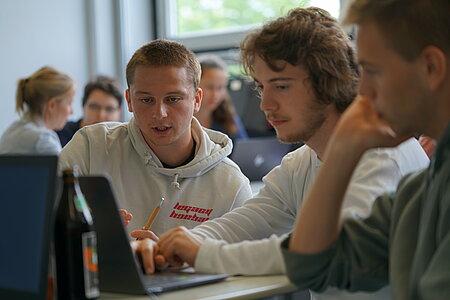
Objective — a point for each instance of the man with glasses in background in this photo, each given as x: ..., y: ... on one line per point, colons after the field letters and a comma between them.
x: 102, y: 101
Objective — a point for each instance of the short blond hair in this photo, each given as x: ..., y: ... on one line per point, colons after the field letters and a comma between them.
x: 408, y: 25
x: 165, y: 53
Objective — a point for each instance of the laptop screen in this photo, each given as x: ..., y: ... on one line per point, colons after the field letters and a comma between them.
x: 258, y: 156
x: 27, y: 191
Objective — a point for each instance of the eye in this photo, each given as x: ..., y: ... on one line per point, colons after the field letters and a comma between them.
x: 369, y: 71
x: 145, y: 100
x: 174, y: 99
x: 94, y: 106
x: 110, y: 109
x: 259, y: 88
x: 282, y: 87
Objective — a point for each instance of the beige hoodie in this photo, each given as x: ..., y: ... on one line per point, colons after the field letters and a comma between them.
x: 205, y: 188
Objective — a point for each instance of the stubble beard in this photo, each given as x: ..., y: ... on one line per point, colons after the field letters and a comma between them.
x: 305, y: 132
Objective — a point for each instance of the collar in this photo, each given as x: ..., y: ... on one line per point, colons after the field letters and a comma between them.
x: 442, y: 151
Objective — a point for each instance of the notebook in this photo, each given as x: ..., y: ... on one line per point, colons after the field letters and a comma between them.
x: 119, y: 270
x: 28, y: 192
x: 257, y: 156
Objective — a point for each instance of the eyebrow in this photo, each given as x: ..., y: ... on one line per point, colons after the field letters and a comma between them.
x: 276, y: 79
x: 168, y: 93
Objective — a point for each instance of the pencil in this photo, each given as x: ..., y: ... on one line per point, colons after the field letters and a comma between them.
x: 153, y: 216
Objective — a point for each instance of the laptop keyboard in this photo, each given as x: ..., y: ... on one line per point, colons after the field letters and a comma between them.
x: 173, y: 280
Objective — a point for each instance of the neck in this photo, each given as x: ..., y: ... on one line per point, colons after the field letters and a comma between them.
x: 176, y: 153
x: 46, y: 118
x: 439, y: 117
x: 319, y: 141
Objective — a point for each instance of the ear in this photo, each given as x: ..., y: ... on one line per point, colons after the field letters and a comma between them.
x: 198, y: 100
x: 51, y: 104
x: 436, y: 67
x: 127, y: 96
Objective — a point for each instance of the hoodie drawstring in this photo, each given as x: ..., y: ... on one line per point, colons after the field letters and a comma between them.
x: 148, y: 158
x: 175, y: 183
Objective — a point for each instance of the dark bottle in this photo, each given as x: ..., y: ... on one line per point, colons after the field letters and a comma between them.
x: 75, y: 244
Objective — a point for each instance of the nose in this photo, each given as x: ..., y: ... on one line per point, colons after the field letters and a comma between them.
x: 160, y: 110
x: 102, y: 115
x: 211, y: 93
x: 268, y: 103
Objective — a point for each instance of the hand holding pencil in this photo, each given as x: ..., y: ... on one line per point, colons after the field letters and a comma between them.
x: 152, y: 218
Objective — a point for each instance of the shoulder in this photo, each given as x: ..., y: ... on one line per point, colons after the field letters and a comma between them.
x: 66, y: 134
x: 23, y: 129
x: 302, y: 155
x: 48, y: 142
x: 231, y: 167
x: 70, y: 126
x: 105, y: 129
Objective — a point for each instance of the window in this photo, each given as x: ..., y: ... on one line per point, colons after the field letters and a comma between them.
x: 220, y: 24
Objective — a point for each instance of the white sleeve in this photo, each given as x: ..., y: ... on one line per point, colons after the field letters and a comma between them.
x: 247, y: 257
x: 267, y: 213
x: 76, y: 152
x: 376, y: 174
x: 271, y: 212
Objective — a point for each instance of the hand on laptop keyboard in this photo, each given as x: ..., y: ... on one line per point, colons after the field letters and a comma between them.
x: 179, y: 245
x: 146, y: 250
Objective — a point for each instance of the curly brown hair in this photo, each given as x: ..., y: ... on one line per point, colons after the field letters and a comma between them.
x: 312, y: 38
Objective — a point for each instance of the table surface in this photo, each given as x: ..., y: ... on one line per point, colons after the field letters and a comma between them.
x: 236, y: 287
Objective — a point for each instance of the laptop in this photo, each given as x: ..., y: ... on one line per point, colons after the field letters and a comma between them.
x: 257, y: 156
x: 119, y: 269
x: 28, y: 193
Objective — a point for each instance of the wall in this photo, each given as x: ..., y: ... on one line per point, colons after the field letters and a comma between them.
x: 38, y: 33
x: 81, y: 38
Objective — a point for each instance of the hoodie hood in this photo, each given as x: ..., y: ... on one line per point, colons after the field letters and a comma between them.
x: 211, y: 148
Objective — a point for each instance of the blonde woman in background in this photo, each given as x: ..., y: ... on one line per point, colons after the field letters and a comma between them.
x: 217, y: 110
x: 44, y: 101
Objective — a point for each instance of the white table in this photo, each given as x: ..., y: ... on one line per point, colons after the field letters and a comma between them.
x: 237, y: 287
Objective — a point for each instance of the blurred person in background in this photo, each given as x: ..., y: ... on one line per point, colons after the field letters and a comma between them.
x: 217, y: 111
x: 44, y: 102
x: 102, y: 101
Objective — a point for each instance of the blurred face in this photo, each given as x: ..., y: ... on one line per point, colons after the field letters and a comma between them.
x: 394, y: 85
x: 100, y: 107
x: 59, y: 110
x: 163, y: 102
x: 214, y: 85
x: 288, y: 101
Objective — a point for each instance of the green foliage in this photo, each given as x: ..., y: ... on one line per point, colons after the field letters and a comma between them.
x: 196, y: 16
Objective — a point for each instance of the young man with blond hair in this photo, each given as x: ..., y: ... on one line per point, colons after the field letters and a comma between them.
x: 162, y: 151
